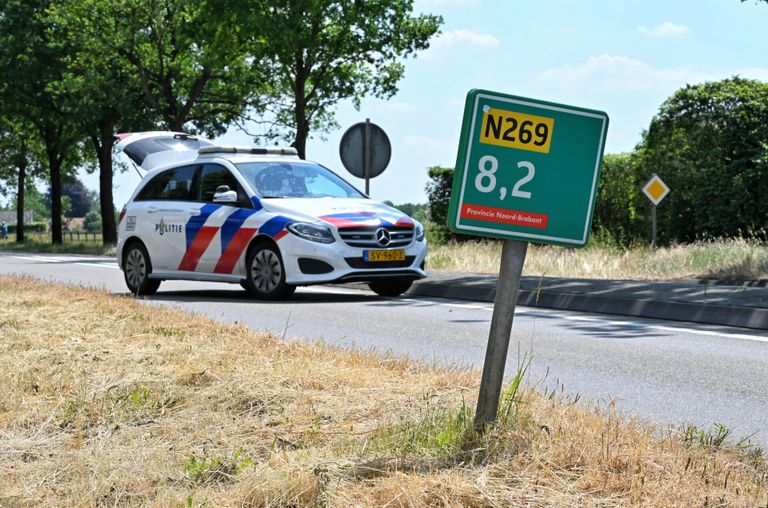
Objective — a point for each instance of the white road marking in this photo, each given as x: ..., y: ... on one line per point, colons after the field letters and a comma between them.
x: 605, y: 321
x: 100, y: 265
x: 476, y: 306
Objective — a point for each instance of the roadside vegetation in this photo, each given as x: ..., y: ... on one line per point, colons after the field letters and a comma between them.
x: 107, y: 401
x: 733, y: 260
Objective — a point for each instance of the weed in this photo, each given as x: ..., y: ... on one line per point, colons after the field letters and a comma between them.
x: 440, y: 261
x: 139, y: 405
x: 190, y: 502
x: 692, y: 435
x: 511, y: 401
x: 199, y: 470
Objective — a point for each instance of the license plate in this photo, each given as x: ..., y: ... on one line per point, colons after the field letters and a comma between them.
x: 384, y: 255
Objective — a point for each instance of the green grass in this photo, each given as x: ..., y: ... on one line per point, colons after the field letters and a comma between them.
x: 42, y: 243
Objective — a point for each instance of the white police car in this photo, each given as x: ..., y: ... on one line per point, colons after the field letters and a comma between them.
x: 260, y: 217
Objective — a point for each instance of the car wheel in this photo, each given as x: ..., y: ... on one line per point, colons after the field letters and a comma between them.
x: 136, y: 270
x: 266, y: 274
x: 390, y: 287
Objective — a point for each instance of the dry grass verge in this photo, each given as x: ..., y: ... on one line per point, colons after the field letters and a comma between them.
x: 106, y: 401
x: 737, y: 260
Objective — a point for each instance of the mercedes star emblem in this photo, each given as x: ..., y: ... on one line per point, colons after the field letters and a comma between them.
x: 382, y: 236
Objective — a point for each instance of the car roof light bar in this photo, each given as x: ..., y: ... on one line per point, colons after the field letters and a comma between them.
x: 270, y: 150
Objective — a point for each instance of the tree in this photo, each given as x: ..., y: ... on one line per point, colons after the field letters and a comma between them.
x: 92, y: 222
x: 19, y: 153
x: 709, y: 143
x: 108, y: 98
x: 33, y: 62
x: 79, y: 197
x: 621, y: 205
x: 320, y: 52
x: 438, y: 195
x: 192, y: 72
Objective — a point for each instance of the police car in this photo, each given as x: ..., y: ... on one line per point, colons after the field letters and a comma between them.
x: 260, y: 217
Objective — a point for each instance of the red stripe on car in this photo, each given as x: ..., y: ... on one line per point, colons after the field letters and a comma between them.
x: 197, y: 248
x: 234, y: 250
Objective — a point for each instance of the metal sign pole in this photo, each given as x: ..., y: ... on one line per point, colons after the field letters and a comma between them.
x: 512, y: 259
x: 653, y: 236
x: 367, y: 156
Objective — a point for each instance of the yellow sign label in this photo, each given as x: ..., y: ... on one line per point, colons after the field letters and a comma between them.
x: 656, y: 189
x: 511, y: 129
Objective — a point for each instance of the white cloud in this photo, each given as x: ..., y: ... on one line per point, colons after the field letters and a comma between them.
x: 758, y: 73
x: 465, y: 37
x: 621, y: 73
x: 667, y: 29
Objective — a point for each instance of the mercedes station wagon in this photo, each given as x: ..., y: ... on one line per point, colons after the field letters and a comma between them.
x: 259, y: 217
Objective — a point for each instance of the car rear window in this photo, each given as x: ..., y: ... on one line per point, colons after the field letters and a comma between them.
x: 139, y: 150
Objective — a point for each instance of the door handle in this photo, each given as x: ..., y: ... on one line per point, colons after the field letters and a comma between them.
x: 152, y: 209
x: 194, y: 211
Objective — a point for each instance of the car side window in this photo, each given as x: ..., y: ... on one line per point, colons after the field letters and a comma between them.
x: 215, y: 175
x: 172, y: 185
x: 178, y: 186
x: 151, y: 191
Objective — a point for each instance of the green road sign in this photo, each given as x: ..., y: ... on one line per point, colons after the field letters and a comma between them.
x: 527, y: 169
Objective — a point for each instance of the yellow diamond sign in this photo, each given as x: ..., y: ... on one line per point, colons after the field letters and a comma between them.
x: 656, y: 189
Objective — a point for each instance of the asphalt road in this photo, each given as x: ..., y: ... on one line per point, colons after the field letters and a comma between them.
x: 662, y: 372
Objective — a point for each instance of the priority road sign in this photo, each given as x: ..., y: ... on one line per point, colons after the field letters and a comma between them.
x: 656, y: 189
x: 527, y: 169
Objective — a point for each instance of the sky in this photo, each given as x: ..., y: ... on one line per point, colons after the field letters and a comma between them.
x: 624, y: 57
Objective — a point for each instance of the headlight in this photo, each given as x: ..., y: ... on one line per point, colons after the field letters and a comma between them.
x: 311, y: 232
x: 419, y: 232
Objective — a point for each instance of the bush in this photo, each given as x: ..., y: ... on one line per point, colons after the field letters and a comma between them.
x: 32, y: 227
x: 622, y: 212
x: 92, y: 223
x: 439, y: 195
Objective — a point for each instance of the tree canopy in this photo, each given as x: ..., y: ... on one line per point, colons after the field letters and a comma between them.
x: 317, y: 53
x: 709, y: 143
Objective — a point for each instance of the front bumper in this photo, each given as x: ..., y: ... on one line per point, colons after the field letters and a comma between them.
x: 339, y: 262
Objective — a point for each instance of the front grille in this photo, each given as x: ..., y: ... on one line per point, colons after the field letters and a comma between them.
x: 365, y: 236
x: 359, y: 263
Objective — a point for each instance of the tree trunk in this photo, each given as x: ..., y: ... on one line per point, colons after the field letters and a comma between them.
x: 103, y: 146
x: 54, y: 166
x: 20, y: 203
x: 302, y: 133
x: 300, y: 112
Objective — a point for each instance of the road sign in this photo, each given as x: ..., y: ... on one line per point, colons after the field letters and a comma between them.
x: 527, y: 169
x: 365, y: 151
x: 656, y: 189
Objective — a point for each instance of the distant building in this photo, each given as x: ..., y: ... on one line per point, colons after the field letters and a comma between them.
x: 9, y: 217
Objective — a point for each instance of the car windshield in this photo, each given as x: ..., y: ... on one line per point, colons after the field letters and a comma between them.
x: 284, y: 179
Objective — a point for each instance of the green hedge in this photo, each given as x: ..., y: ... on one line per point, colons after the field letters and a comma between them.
x: 32, y: 227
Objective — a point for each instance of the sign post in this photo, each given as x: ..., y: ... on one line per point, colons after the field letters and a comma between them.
x: 656, y: 190
x: 527, y: 170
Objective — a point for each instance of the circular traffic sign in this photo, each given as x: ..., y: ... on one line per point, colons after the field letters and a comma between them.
x: 352, y: 149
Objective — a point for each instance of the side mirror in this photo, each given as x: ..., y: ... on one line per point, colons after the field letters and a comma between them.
x: 224, y: 195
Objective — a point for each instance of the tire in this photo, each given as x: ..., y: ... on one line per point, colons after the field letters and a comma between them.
x: 136, y: 270
x: 266, y: 274
x: 390, y: 287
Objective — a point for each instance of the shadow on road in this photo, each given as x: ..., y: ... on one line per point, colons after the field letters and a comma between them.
x: 240, y: 296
